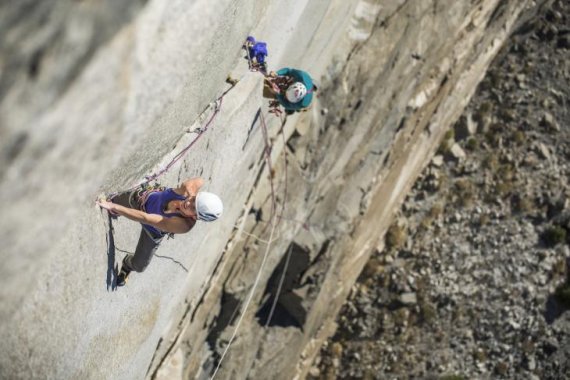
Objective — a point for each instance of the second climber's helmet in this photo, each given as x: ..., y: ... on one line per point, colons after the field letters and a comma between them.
x: 296, y: 92
x: 209, y: 207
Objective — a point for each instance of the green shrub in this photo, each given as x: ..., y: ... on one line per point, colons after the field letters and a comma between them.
x: 484, y: 219
x: 519, y: 137
x: 395, y: 236
x: 471, y: 144
x: 436, y: 210
x: 502, y: 368
x: 443, y: 181
x: 485, y: 109
x: 523, y: 204
x: 506, y: 172
x: 427, y: 312
x: 560, y: 267
x: 505, y: 178
x: 562, y: 294
x: 425, y: 223
x: 491, y: 162
x: 372, y: 267
x: 450, y: 134
x: 554, y: 235
x: 465, y: 191
x: 494, y: 133
x: 445, y: 147
x: 504, y: 188
x: 480, y: 355
x: 447, y: 142
x: 508, y: 114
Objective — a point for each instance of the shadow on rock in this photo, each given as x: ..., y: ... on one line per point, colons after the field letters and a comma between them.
x: 112, y: 269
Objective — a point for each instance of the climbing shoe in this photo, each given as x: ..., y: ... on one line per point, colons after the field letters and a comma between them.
x: 123, y: 275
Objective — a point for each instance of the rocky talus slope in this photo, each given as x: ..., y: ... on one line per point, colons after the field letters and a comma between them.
x: 474, y: 280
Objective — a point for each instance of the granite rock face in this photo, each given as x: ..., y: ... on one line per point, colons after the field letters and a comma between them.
x: 97, y: 95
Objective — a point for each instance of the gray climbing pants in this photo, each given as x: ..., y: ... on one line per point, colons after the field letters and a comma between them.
x: 148, y: 240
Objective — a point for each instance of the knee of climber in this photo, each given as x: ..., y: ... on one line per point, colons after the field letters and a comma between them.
x: 146, y: 247
x: 134, y: 263
x: 139, y: 266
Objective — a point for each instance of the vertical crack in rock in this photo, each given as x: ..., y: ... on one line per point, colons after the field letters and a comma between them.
x: 289, y: 310
x: 230, y: 307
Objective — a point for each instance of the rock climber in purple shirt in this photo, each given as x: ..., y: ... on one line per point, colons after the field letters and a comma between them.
x: 161, y: 211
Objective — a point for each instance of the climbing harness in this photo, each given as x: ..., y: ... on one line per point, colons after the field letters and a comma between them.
x: 279, y: 84
x: 145, y: 190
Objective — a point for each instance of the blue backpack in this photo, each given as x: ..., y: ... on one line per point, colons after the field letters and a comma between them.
x: 257, y: 50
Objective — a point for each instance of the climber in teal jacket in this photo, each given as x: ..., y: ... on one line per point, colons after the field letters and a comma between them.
x: 293, y: 88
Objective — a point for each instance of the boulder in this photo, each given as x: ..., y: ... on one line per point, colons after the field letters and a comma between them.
x: 457, y: 153
x: 408, y: 299
x: 437, y: 161
x: 549, y: 121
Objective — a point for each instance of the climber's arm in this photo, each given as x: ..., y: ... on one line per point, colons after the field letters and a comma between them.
x: 175, y: 225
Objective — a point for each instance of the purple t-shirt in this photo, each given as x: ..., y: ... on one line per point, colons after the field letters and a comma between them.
x: 156, y: 203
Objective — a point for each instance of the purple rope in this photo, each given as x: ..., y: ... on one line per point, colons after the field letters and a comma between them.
x: 181, y: 154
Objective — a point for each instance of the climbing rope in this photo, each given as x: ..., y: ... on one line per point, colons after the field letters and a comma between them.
x: 273, y: 218
x: 249, y: 298
x: 200, y: 130
x: 280, y: 217
x: 265, y: 255
x: 285, y: 164
x: 257, y: 238
x: 267, y: 154
x: 268, y: 160
x: 276, y: 297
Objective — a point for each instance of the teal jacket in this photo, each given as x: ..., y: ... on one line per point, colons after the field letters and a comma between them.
x: 300, y: 76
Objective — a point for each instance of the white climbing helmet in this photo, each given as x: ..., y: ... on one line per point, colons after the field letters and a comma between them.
x: 296, y: 92
x: 209, y: 207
